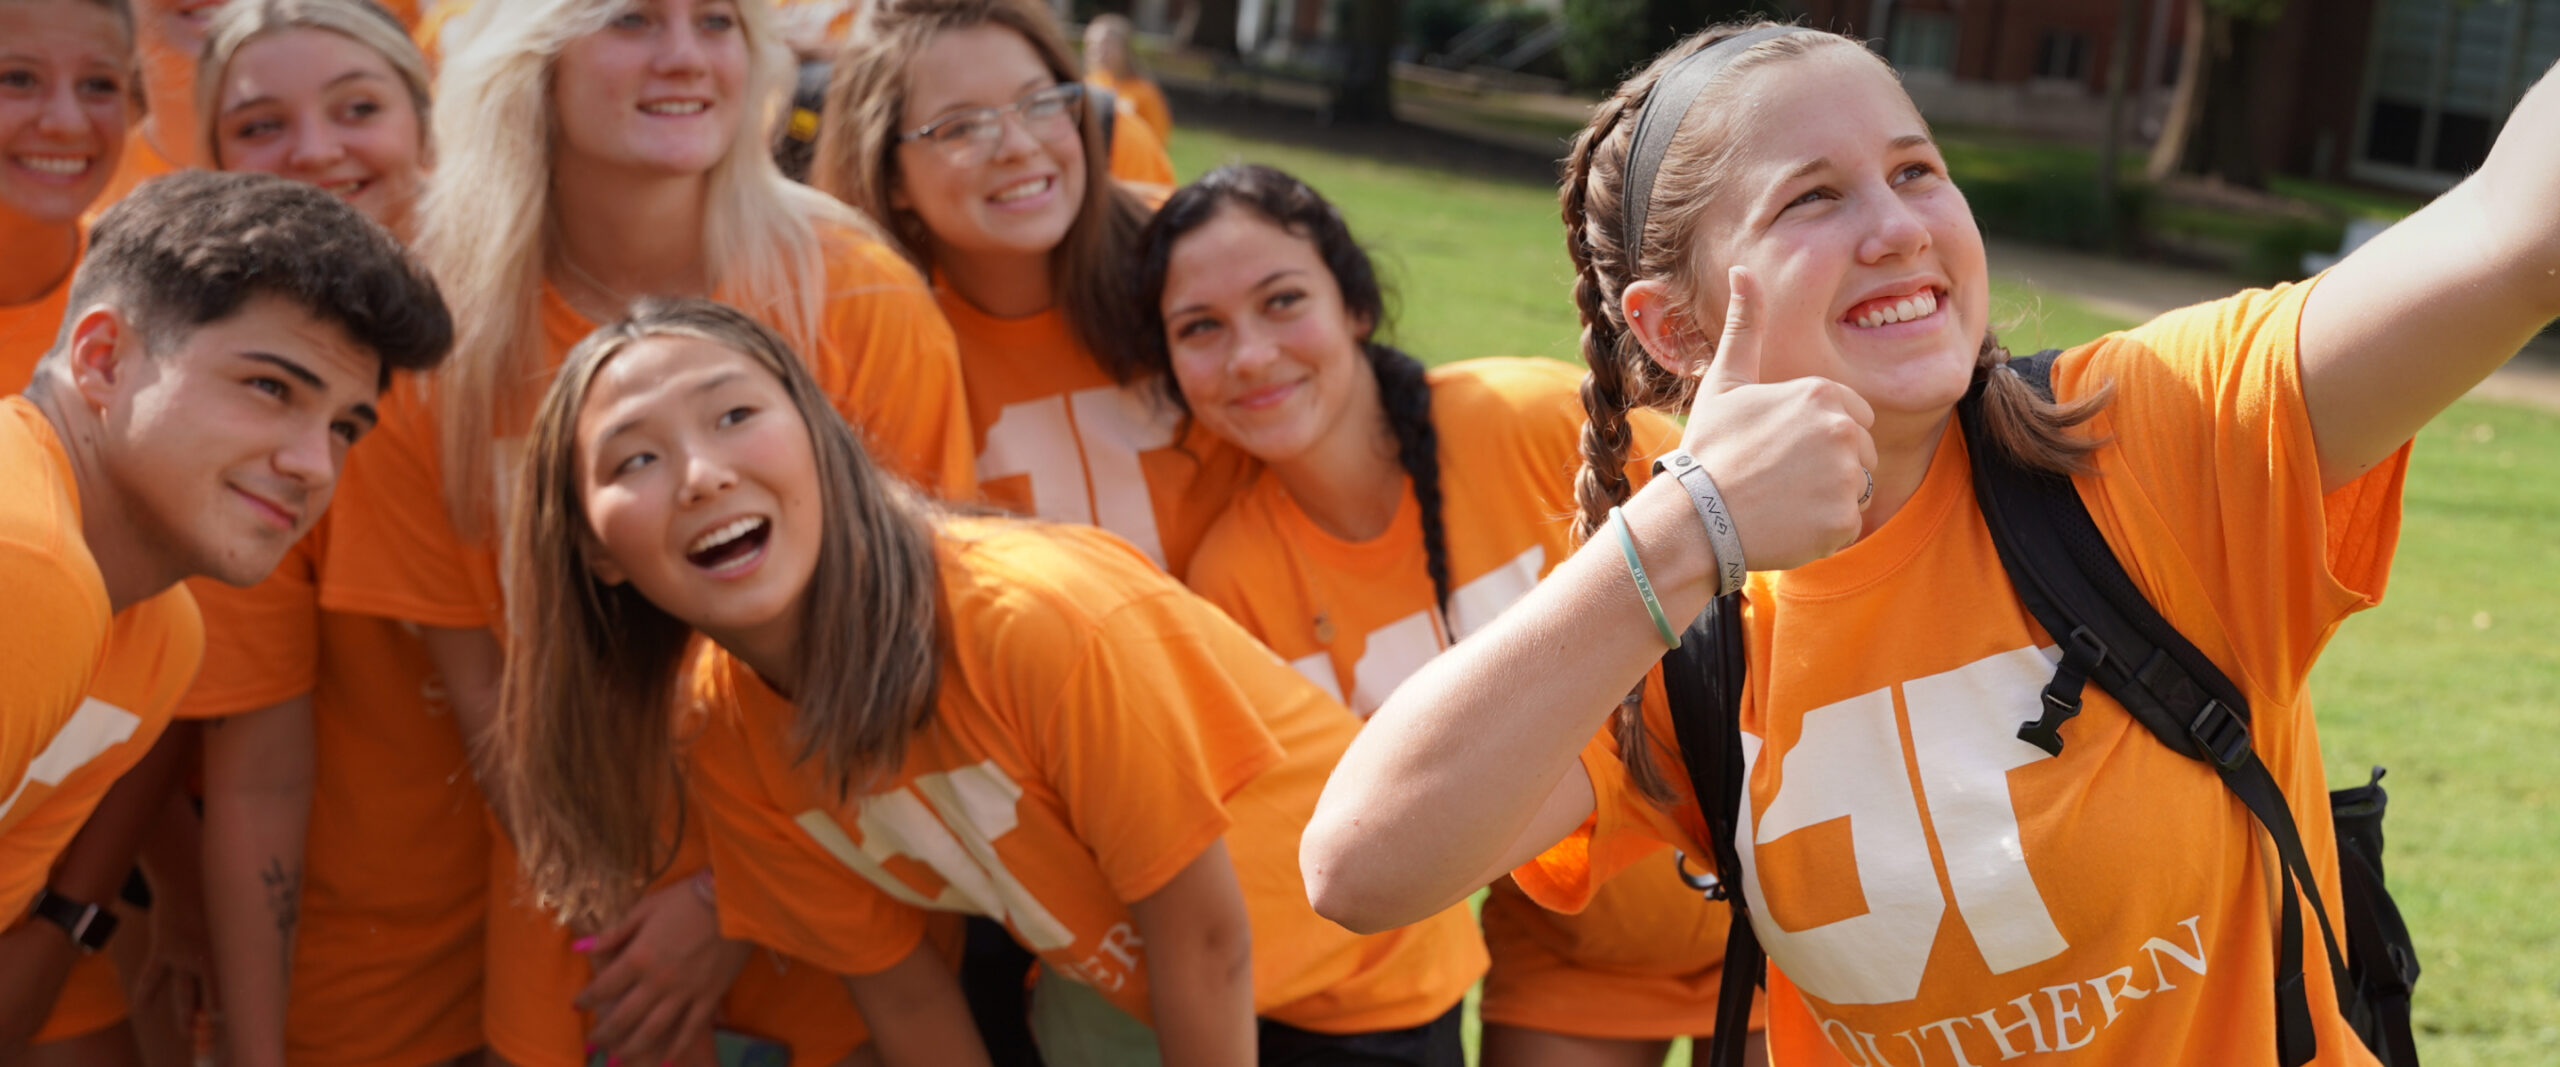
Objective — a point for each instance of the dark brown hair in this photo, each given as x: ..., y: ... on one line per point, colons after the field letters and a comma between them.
x: 857, y: 160
x: 190, y: 248
x: 2035, y: 431
x: 585, y: 718
x: 1280, y: 199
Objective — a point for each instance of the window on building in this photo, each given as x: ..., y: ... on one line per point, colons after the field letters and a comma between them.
x: 2062, y: 55
x: 1922, y: 41
x: 2442, y: 78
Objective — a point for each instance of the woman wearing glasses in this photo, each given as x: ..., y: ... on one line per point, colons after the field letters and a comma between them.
x: 591, y: 152
x: 963, y: 127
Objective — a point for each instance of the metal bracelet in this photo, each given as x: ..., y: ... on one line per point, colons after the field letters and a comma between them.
x: 1722, y: 535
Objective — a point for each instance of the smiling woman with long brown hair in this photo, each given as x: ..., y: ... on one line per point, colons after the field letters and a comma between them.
x: 962, y: 126
x: 898, y: 711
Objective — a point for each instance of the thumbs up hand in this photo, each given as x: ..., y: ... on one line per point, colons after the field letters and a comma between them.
x: 1791, y: 458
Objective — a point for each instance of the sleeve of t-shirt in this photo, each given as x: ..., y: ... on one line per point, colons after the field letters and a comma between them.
x: 50, y: 637
x: 777, y: 885
x: 1624, y: 827
x: 2212, y: 479
x: 894, y: 370
x: 393, y: 550
x: 1147, y: 735
x: 262, y: 643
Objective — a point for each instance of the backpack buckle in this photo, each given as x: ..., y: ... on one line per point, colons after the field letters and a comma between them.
x: 2082, y: 653
x: 2222, y: 735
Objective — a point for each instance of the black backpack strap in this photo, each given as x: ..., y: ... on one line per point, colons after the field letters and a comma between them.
x: 1703, y: 680
x: 2070, y: 580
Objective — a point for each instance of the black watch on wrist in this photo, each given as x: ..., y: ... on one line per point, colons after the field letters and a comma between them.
x: 90, y: 925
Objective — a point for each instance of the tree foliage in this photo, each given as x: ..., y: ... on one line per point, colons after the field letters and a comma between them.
x: 1605, y: 40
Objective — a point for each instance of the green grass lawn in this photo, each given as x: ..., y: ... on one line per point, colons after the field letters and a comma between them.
x: 2454, y: 682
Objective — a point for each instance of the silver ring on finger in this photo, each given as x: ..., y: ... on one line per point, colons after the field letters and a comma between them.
x: 1869, y: 492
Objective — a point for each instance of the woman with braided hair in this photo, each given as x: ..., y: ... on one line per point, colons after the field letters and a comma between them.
x: 1930, y: 886
x: 1399, y: 510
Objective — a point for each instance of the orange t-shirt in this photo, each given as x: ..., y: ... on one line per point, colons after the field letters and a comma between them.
x: 387, y: 959
x: 885, y: 359
x: 1096, y: 727
x: 140, y: 163
x: 27, y: 330
x: 1138, y: 154
x: 1356, y: 617
x: 429, y: 31
x: 1056, y: 438
x: 1142, y: 96
x: 1510, y: 445
x: 82, y: 694
x: 1940, y: 892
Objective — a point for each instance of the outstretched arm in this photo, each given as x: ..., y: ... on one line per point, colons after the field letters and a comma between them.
x: 2420, y: 314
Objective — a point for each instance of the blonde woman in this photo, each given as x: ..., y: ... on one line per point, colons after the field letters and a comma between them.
x: 73, y: 93
x: 329, y: 92
x: 345, y: 850
x: 592, y: 151
x: 1111, y: 61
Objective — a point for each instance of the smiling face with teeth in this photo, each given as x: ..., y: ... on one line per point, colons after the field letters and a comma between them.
x: 1005, y: 215
x: 700, y: 487
x: 65, y: 68
x: 318, y: 107
x: 659, y: 92
x: 1872, y: 271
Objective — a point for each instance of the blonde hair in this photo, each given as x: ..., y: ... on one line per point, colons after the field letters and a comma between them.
x: 1118, y: 30
x: 857, y: 161
x: 2034, y: 430
x: 486, y: 220
x: 587, y: 763
x: 243, y: 21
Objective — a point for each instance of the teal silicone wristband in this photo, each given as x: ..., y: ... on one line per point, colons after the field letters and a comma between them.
x: 1644, y: 585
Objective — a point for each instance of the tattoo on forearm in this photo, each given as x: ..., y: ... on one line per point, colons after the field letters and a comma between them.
x: 284, y: 901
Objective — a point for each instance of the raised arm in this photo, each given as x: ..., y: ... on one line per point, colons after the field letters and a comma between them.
x: 2420, y: 314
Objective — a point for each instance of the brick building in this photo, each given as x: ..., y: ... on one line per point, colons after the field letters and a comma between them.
x: 2402, y: 93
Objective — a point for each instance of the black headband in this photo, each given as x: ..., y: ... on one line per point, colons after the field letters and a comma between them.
x: 1669, y: 103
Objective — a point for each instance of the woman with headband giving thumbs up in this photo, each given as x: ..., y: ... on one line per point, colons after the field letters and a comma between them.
x: 1929, y: 886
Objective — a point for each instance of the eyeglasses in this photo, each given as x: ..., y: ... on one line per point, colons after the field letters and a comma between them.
x: 969, y: 137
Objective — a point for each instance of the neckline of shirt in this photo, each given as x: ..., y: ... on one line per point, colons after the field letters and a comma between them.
x: 1883, y: 553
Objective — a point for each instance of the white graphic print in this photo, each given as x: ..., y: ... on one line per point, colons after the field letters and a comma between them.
x: 1476, y: 603
x: 1391, y: 653
x: 1394, y: 651
x: 949, y: 822
x: 1057, y: 440
x: 93, y: 729
x: 1849, y: 764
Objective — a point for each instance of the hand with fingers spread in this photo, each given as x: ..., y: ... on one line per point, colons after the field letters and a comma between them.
x: 660, y: 975
x: 1793, y: 459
